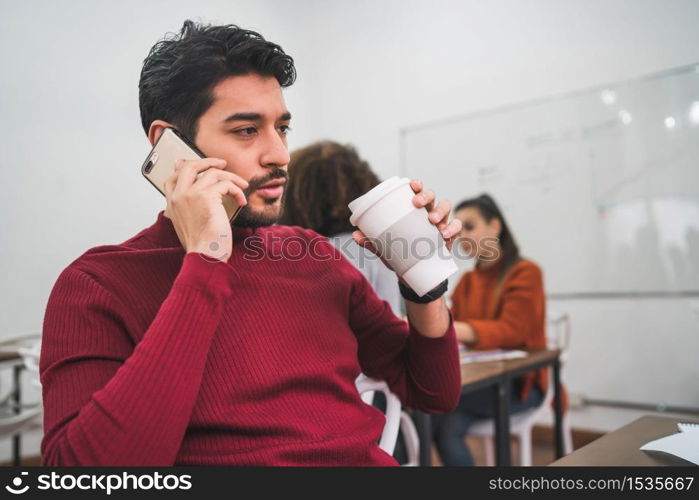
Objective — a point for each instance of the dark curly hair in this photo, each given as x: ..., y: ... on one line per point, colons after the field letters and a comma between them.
x: 323, y: 178
x: 182, y: 69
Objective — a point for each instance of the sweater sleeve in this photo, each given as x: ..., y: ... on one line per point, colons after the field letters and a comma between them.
x: 108, y: 402
x: 521, y: 300
x: 423, y: 372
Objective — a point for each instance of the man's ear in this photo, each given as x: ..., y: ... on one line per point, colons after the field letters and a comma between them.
x: 156, y: 129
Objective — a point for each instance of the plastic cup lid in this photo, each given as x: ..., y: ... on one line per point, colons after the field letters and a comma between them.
x: 364, y: 202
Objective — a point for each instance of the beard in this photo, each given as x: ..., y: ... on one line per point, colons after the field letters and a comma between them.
x: 247, y: 217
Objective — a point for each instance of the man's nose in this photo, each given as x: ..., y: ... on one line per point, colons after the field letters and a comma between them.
x: 276, y: 153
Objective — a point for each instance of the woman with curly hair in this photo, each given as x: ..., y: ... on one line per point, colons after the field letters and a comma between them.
x: 323, y: 178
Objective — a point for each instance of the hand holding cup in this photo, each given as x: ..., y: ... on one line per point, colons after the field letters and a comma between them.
x: 400, y: 222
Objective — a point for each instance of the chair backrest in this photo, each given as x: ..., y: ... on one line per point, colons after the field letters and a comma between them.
x: 28, y: 347
x: 30, y: 355
x: 16, y: 419
x: 366, y: 387
x: 557, y: 337
x: 11, y: 424
x: 558, y: 333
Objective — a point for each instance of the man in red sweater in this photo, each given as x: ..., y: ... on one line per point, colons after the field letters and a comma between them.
x: 198, y: 342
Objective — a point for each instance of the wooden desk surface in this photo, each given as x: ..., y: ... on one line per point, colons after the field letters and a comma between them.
x: 533, y: 357
x: 472, y: 373
x: 621, y: 447
x: 478, y: 371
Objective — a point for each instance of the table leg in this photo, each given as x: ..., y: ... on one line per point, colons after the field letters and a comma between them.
x: 423, y: 425
x: 558, y: 407
x: 502, y: 423
x: 17, y: 397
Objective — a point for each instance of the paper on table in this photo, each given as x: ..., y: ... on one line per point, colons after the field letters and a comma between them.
x: 490, y: 355
x: 682, y: 444
x: 684, y: 427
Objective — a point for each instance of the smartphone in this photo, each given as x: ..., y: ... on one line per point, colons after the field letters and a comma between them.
x: 160, y: 163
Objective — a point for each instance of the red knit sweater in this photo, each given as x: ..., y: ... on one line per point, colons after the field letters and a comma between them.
x: 151, y: 356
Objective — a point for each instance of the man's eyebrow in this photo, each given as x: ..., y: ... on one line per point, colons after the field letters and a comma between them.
x: 253, y: 117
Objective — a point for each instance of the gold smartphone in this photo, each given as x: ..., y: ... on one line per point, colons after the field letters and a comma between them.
x: 160, y: 163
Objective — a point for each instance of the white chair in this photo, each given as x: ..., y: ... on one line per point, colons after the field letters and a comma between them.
x: 521, y: 424
x: 30, y: 355
x: 395, y: 419
x: 17, y: 417
x: 12, y: 424
x: 26, y: 349
x: 14, y: 346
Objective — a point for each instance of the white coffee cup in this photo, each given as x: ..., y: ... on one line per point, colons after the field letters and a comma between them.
x: 402, y: 233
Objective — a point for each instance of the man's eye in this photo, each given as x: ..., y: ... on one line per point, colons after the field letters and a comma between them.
x: 245, y: 132
x: 468, y: 227
x: 285, y: 129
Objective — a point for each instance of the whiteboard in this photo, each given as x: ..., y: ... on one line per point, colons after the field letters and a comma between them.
x: 600, y: 187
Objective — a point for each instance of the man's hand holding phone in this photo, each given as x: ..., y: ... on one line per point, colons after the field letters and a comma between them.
x: 194, y: 204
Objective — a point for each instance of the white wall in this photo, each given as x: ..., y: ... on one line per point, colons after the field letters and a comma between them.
x: 394, y: 63
x: 640, y: 351
x: 70, y: 130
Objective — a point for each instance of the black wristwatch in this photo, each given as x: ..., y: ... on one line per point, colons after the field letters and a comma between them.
x: 409, y: 294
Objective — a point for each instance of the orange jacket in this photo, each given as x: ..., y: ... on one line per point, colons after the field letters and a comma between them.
x: 511, y: 316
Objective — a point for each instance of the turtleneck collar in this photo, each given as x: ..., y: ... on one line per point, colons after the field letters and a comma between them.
x: 491, y: 270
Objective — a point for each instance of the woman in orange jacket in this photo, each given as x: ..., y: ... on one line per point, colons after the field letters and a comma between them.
x: 499, y: 304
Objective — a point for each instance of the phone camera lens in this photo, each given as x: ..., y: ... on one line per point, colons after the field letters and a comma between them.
x: 149, y: 167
